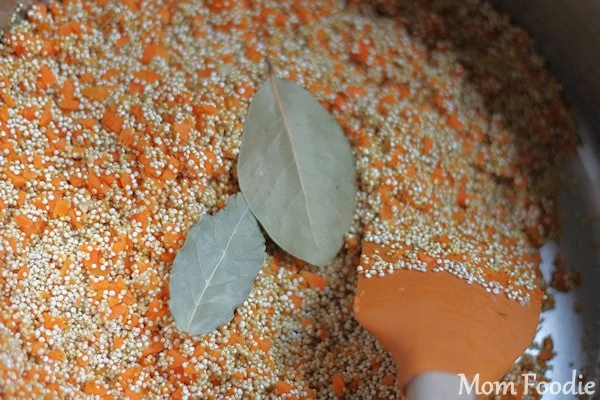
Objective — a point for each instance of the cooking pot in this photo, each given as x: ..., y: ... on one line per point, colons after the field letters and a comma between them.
x: 567, y: 34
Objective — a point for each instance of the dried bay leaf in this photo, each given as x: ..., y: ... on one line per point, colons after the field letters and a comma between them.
x: 214, y: 271
x: 296, y: 170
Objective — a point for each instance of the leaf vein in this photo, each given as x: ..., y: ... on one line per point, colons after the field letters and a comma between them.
x: 294, y: 155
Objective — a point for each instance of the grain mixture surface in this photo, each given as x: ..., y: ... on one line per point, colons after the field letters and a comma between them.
x: 120, y: 124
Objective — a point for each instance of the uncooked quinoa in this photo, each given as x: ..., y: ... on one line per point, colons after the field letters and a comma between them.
x: 120, y: 124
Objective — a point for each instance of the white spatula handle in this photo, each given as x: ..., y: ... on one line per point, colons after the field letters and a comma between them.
x: 438, y: 385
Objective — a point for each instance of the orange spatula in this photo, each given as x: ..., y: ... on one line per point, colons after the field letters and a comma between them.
x: 437, y: 326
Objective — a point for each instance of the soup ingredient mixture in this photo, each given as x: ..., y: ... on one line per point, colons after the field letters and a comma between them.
x: 120, y: 125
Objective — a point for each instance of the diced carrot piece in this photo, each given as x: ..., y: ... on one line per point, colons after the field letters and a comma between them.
x: 69, y: 104
x: 94, y: 184
x: 29, y: 226
x: 387, y: 100
x: 111, y: 120
x: 427, y: 145
x: 46, y: 116
x: 68, y: 89
x: 155, y: 347
x: 138, y: 111
x: 127, y: 137
x: 51, y: 321
x: 95, y: 388
x: 253, y: 54
x: 4, y: 113
x: 61, y: 208
x: 46, y: 78
x: 23, y: 272
x: 439, y: 102
x: 340, y: 100
x: 168, y: 174
x: 69, y: 28
x: 77, y: 181
x: 131, y: 395
x: 443, y: 240
x: 29, y: 113
x: 281, y: 19
x: 165, y: 15
x: 204, y: 73
x: 339, y: 385
x: 120, y: 245
x: 178, y: 358
x: 122, y: 41
x: 238, y: 376
x: 314, y: 281
x: 208, y: 109
x: 141, y: 217
x: 21, y: 199
x: 118, y: 311
x: 125, y: 180
x: 151, y: 51
x: 283, y: 388
x: 235, y: 339
x: 357, y: 91
x: 388, y: 380
x: 221, y: 5
x: 107, y: 179
x: 462, y: 198
x: 156, y: 309
x: 386, y: 211
x: 228, y: 59
x: 305, y: 15
x: 199, y: 350
x: 310, y: 394
x: 37, y: 346
x: 178, y: 393
x: 64, y: 270
x: 136, y: 88
x: 547, y: 351
x: 97, y: 93
x: 426, y: 258
x: 296, y: 300
x: 172, y: 238
x: 262, y: 344
x: 209, y: 162
x: 183, y: 130
x: 18, y: 181
x: 147, y: 75
x: 56, y: 355
x: 149, y: 169
x: 133, y: 5
x: 111, y: 73
x: 88, y: 122
x: 454, y: 122
x: 118, y: 343
x: 86, y: 77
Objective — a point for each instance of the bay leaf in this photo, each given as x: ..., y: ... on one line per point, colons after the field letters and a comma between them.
x: 296, y: 170
x: 215, y: 269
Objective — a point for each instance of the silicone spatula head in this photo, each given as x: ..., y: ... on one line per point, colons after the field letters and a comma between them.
x: 435, y: 322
